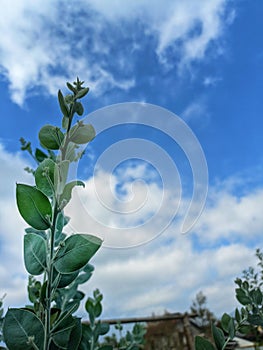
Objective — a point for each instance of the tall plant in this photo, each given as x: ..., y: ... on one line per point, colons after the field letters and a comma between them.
x: 61, y: 260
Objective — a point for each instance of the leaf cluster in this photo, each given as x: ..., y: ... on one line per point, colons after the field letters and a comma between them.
x: 132, y: 340
x: 95, y: 328
x: 247, y: 319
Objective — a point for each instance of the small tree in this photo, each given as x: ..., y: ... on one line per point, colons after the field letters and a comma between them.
x: 204, y: 315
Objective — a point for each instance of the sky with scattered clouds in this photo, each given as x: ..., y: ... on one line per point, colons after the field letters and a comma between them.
x: 176, y: 100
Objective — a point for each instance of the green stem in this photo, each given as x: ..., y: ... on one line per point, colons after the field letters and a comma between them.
x: 66, y: 141
x: 50, y: 269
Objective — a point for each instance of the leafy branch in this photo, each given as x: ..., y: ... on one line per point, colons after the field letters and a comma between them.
x: 61, y: 260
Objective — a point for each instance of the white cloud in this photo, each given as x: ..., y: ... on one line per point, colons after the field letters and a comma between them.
x: 233, y: 217
x: 196, y: 110
x: 163, y: 274
x: 45, y: 43
x: 12, y: 272
x: 211, y: 81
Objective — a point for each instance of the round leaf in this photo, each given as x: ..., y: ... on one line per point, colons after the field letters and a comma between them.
x: 76, y: 252
x: 50, y: 137
x: 33, y: 206
x: 45, y: 169
x: 82, y: 133
x: 20, y: 326
x: 79, y: 108
x: 34, y: 253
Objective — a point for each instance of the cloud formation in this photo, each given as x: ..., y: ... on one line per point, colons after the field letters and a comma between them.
x: 42, y: 46
x: 163, y: 274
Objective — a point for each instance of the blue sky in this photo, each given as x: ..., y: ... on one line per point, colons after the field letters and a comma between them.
x: 200, y: 61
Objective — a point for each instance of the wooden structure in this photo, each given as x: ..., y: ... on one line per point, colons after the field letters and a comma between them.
x: 172, y: 331
x: 171, y: 334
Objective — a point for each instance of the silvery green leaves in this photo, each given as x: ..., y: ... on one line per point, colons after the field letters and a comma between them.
x: 34, y: 206
x: 50, y: 137
x: 23, y: 330
x: 95, y: 329
x: 35, y: 253
x: 76, y: 251
x: 82, y: 133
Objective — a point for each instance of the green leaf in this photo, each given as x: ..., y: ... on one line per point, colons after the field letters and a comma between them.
x: 67, y: 192
x: 242, y: 297
x: 246, y: 329
x: 65, y: 122
x: 60, y: 223
x: 218, y: 336
x: 75, y: 335
x: 69, y: 98
x: 97, y: 309
x: 225, y: 321
x: 43, y: 294
x: 82, y: 133
x: 33, y: 206
x: 84, y: 277
x: 256, y: 296
x: 102, y: 328
x: 237, y: 315
x: 203, y: 344
x: 50, y: 137
x: 37, y: 232
x: 82, y: 93
x: 79, y: 108
x: 86, y: 335
x: 245, y: 285
x: 62, y: 104
x: 90, y: 309
x: 44, y: 176
x: 231, y: 329
x: 34, y: 253
x: 20, y: 326
x: 76, y: 252
x: 256, y: 320
x: 40, y: 156
x: 71, y: 87
x: 61, y: 332
x: 78, y: 295
x: 65, y: 279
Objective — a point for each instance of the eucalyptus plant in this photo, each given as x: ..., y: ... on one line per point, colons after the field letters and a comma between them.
x: 246, y: 320
x: 60, y: 261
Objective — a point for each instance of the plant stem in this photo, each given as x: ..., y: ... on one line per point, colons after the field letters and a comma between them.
x: 49, y: 280
x: 66, y: 140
